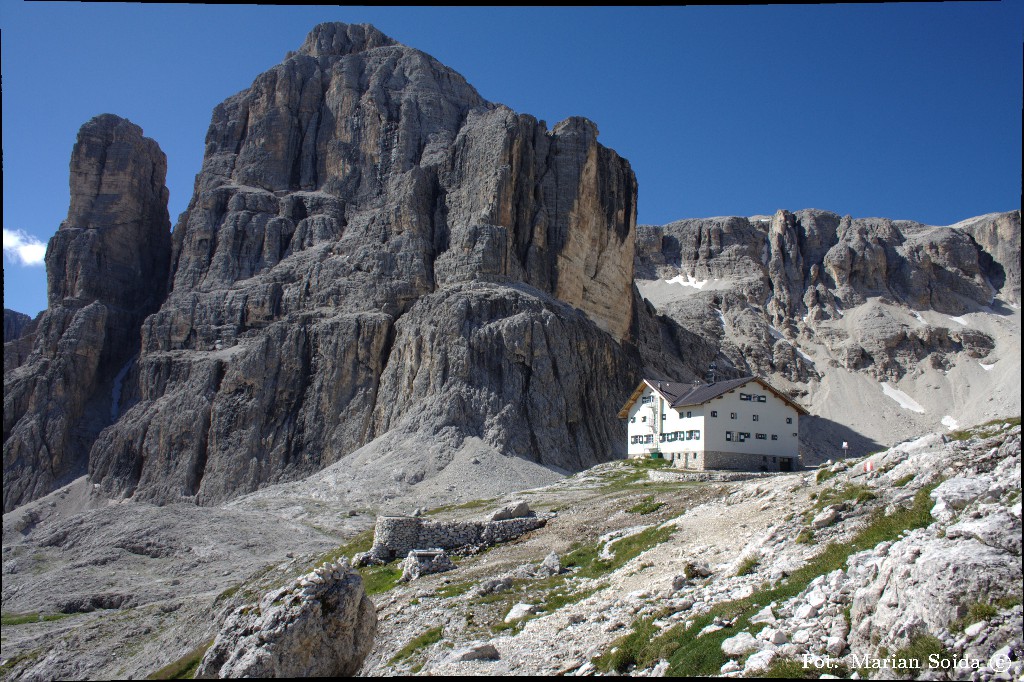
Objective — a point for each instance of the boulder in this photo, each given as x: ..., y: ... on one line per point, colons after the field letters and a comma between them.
x: 740, y: 644
x: 520, y: 611
x: 515, y: 510
x: 955, y: 494
x: 323, y: 625
x: 475, y: 651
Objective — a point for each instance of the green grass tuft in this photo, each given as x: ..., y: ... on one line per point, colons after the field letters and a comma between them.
x: 185, y: 667
x: 823, y: 475
x: 748, y: 565
x: 986, y: 430
x: 917, y: 654
x: 903, y: 480
x: 378, y: 579
x: 431, y: 636
x: 648, y: 505
x: 22, y: 618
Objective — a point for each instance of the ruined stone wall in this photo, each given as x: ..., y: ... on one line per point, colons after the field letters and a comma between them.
x: 396, y: 536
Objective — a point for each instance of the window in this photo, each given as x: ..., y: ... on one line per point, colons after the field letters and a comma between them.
x: 794, y: 434
x: 689, y: 414
x: 714, y: 413
x: 762, y: 436
x: 648, y: 439
x: 632, y: 420
x: 773, y: 459
x: 643, y: 419
x: 696, y: 434
x: 647, y: 399
x: 741, y: 438
x: 744, y: 396
x: 775, y: 436
x: 789, y: 420
x: 756, y: 417
x: 728, y: 435
x: 761, y: 398
x: 663, y: 417
x: 661, y: 438
x: 689, y: 435
x: 732, y: 415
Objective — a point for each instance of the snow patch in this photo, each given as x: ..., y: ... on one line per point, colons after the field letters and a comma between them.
x: 949, y: 422
x: 804, y: 355
x: 721, y: 317
x: 918, y: 316
x: 987, y: 368
x: 960, y: 320
x: 690, y: 281
x: 902, y: 398
x: 776, y: 334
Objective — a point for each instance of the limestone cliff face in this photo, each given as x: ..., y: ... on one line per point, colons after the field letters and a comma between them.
x: 371, y: 245
x: 798, y: 272
x: 106, y: 268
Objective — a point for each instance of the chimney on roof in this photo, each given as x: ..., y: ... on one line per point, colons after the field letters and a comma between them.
x: 712, y: 368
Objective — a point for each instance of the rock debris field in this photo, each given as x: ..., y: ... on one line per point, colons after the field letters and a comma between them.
x: 853, y: 569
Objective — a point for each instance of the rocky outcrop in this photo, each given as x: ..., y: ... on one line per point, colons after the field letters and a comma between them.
x: 106, y: 268
x: 795, y: 275
x: 15, y: 325
x: 373, y: 247
x: 817, y: 263
x: 323, y: 625
x: 19, y: 337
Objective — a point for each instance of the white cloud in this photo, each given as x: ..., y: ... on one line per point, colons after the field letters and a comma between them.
x: 23, y: 248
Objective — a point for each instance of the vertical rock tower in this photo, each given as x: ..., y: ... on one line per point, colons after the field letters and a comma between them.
x: 374, y: 249
x: 106, y: 269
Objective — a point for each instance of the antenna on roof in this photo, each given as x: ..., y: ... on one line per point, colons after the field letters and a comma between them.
x: 712, y: 368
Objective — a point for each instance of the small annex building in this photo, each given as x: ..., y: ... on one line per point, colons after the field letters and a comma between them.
x: 738, y: 424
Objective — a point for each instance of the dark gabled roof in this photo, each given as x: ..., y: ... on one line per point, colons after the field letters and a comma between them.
x: 686, y: 395
x: 701, y: 393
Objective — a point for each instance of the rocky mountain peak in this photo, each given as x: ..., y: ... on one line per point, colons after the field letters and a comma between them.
x: 331, y: 39
x: 114, y: 245
x: 107, y: 269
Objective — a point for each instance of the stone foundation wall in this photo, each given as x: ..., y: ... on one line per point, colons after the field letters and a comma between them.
x: 716, y: 459
x: 396, y: 536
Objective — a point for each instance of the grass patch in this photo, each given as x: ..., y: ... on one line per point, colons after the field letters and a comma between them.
x: 805, y: 537
x: 916, y: 654
x: 378, y: 579
x: 823, y: 475
x: 690, y: 655
x: 851, y: 492
x: 185, y: 667
x: 454, y: 589
x: 748, y: 565
x: 472, y: 504
x: 903, y: 480
x: 986, y: 430
x: 588, y: 563
x: 22, y: 618
x: 648, y: 505
x: 431, y: 636
x: 983, y: 611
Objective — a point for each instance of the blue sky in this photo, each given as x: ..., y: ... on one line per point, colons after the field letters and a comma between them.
x: 898, y: 110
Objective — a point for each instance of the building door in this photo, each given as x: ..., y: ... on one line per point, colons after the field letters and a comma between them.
x: 785, y: 464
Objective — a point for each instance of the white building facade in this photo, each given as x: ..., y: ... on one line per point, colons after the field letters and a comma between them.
x: 738, y: 424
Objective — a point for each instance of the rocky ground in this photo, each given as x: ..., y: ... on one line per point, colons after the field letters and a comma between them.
x: 838, y: 564
x: 842, y: 566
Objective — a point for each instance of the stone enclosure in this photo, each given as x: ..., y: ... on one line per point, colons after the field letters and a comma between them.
x: 396, y: 536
